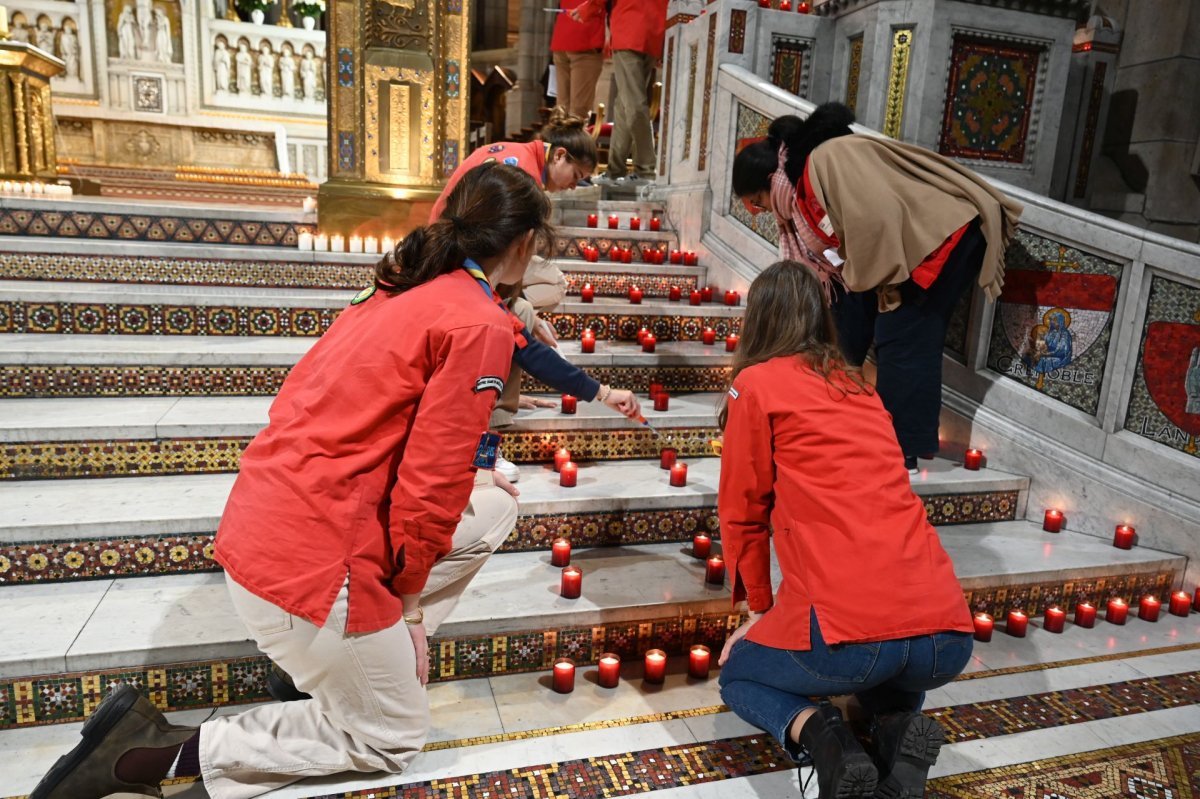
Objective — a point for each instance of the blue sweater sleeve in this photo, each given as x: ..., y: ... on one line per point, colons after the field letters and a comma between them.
x: 555, y: 371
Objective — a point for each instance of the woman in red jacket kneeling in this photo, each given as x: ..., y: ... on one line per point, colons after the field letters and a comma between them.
x: 810, y: 458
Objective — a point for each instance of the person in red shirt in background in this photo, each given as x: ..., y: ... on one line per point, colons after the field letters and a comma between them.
x: 578, y: 52
x: 638, y: 29
x: 810, y: 460
x: 345, y: 534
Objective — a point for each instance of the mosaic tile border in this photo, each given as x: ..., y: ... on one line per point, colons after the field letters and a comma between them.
x: 145, y: 227
x: 144, y: 319
x: 1058, y: 664
x: 617, y: 284
x: 665, y: 113
x: 138, y: 556
x: 604, y: 240
x: 1034, y: 598
x: 182, y: 271
x: 27, y: 381
x: 62, y: 698
x: 710, y: 71
x: 666, y: 326
x: 1012, y: 63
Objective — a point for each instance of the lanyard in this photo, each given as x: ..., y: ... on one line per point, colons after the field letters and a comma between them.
x: 476, y: 272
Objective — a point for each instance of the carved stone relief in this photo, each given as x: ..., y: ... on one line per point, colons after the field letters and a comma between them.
x: 145, y: 30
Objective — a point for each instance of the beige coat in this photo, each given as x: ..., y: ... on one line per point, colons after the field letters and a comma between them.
x: 891, y: 204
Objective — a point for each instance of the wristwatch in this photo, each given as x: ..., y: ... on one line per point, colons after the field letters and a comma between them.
x: 415, y: 618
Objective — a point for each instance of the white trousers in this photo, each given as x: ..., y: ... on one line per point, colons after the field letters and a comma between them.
x: 368, y: 711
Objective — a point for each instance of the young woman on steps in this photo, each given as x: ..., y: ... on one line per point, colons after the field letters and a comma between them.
x: 345, y: 537
x: 810, y: 461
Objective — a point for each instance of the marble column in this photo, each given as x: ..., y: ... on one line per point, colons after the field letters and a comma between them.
x: 533, y: 49
x: 398, y: 111
x: 27, y: 132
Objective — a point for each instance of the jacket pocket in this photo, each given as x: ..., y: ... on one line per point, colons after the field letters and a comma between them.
x: 951, y: 652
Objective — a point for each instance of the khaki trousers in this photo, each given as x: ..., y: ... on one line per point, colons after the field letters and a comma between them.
x: 631, y: 118
x: 368, y: 712
x: 577, y: 74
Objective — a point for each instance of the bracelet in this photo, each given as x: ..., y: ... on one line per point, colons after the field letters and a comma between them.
x: 415, y: 618
x: 604, y: 393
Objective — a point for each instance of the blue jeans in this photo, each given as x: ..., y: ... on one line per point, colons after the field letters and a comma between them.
x: 769, y: 687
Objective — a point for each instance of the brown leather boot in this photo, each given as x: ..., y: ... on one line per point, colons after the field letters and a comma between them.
x: 125, y: 720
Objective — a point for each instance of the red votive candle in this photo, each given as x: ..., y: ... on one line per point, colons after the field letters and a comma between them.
x: 1055, y: 620
x: 804, y: 8
x: 1181, y: 603
x: 587, y: 293
x: 973, y: 459
x: 1118, y: 611
x: 635, y: 295
x: 706, y: 294
x: 560, y: 552
x: 656, y: 666
x: 593, y: 220
x: 610, y: 670
x: 1123, y: 537
x: 676, y: 256
x: 568, y: 475
x: 1085, y: 615
x: 613, y: 222
x: 691, y: 259
x: 655, y: 224
x: 593, y: 254
x: 1017, y: 624
x: 1149, y: 608
x: 699, y: 659
x: 635, y: 223
x: 655, y: 388
x: 731, y: 342
x: 563, y: 455
x: 764, y: 3
x: 714, y: 570
x: 572, y: 580
x: 649, y: 341
x: 564, y: 675
x: 679, y: 474
x: 785, y: 5
x: 614, y: 254
x: 675, y: 294
x: 694, y: 297
x: 666, y: 458
x: 733, y: 298
x: 627, y: 255
x: 587, y: 342
x: 709, y: 336
x: 984, y: 624
x: 569, y: 403
x: 701, y: 545
x: 1052, y: 522
x: 662, y: 400
x: 641, y: 336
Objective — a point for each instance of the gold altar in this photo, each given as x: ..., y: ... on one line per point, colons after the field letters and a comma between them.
x: 27, y: 133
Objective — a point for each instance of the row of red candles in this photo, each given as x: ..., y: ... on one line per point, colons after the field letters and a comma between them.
x: 650, y: 255
x: 648, y: 342
x: 568, y: 470
x: 786, y: 5
x: 614, y: 222
x: 571, y: 584
x: 609, y: 668
x: 674, y: 294
x: 1116, y: 612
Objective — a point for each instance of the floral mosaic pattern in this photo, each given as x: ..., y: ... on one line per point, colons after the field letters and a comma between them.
x: 182, y: 271
x: 604, y: 240
x: 675, y: 379
x: 751, y: 125
x: 989, y: 99
x: 162, y: 320
x: 617, y: 284
x: 1164, y: 400
x: 625, y: 327
x: 1053, y: 320
x: 1035, y: 598
x: 145, y: 227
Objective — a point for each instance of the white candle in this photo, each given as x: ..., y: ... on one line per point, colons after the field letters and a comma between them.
x: 27, y: 188
x: 305, y: 240
x: 387, y: 245
x: 337, y: 243
x: 356, y: 244
x: 310, y: 205
x: 321, y: 243
x: 39, y: 188
x: 8, y: 187
x: 371, y: 245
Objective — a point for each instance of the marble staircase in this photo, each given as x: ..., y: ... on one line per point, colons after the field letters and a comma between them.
x: 134, y: 372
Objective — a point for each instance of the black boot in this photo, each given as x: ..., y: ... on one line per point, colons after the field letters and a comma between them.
x: 844, y: 770
x: 281, y: 688
x: 907, y: 745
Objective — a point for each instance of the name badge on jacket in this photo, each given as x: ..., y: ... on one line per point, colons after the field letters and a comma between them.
x: 487, y: 451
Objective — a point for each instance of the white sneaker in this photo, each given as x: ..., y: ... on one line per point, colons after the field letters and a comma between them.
x: 510, y: 470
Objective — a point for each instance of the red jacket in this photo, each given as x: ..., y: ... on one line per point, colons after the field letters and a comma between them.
x: 639, y: 25
x: 823, y: 470
x: 366, y: 464
x: 571, y: 36
x: 530, y: 156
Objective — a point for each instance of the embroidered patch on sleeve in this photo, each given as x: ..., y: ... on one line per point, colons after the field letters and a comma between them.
x: 487, y: 451
x: 733, y: 392
x: 363, y: 295
x: 490, y: 381
x: 511, y: 160
x: 495, y: 148
x: 489, y: 160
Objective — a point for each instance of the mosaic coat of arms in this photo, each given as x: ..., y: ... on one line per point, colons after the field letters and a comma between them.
x: 1054, y: 320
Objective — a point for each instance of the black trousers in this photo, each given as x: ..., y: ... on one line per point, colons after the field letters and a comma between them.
x: 909, y: 342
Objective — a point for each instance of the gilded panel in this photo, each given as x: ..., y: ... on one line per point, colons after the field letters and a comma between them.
x: 409, y: 137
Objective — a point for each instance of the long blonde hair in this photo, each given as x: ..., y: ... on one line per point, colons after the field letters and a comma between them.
x: 786, y: 314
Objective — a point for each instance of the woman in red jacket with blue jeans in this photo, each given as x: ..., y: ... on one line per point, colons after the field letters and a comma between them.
x: 811, y: 461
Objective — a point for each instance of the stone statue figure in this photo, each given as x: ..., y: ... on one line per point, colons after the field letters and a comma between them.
x: 19, y: 31
x: 266, y: 71
x: 145, y: 20
x: 1191, y: 383
x: 308, y: 76
x: 68, y: 48
x: 244, y: 64
x: 127, y: 37
x: 221, y: 64
x: 287, y: 74
x: 45, y: 35
x: 164, y: 49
